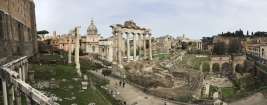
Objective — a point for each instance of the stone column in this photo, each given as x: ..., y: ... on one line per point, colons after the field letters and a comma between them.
x: 139, y: 46
x: 128, y: 47
x: 25, y: 71
x: 20, y: 73
x: 70, y: 49
x: 150, y: 45
x: 233, y: 67
x: 144, y: 42
x: 220, y: 68
x: 77, y: 47
x: 119, y: 47
x: 18, y: 96
x: 4, y: 91
x: 114, y: 47
x: 10, y: 95
x: 210, y: 68
x: 201, y: 45
x: 134, y: 47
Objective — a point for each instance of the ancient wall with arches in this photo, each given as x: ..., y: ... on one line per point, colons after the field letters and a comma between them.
x: 233, y: 61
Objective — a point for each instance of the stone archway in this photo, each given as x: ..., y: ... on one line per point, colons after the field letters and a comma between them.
x: 215, y: 67
x: 44, y: 52
x: 226, y: 68
x: 239, y: 68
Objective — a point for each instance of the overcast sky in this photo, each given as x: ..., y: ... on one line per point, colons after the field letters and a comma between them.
x: 194, y: 18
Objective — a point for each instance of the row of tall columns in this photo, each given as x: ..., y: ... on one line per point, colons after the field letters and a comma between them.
x: 118, y: 46
x: 199, y: 45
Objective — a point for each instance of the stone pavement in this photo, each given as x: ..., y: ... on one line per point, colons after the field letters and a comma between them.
x: 255, y: 99
x: 133, y: 95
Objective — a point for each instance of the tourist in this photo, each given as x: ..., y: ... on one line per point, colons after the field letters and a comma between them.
x: 124, y: 103
x: 116, y: 84
x: 123, y: 84
x: 120, y: 83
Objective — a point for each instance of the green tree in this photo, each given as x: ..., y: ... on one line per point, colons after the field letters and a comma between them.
x: 219, y: 48
x: 234, y: 45
x: 48, y: 41
x: 106, y: 72
x: 42, y: 32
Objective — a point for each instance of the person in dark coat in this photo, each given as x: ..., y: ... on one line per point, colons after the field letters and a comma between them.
x: 123, y: 84
x: 120, y: 83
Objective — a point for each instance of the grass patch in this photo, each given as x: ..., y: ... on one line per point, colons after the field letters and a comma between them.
x: 264, y: 68
x: 161, y: 56
x: 62, y: 71
x: 185, y: 58
x: 51, y: 56
x: 227, y: 92
x: 88, y: 65
x: 68, y: 72
x: 198, y: 61
x: 184, y: 61
x: 82, y: 98
x: 206, y: 67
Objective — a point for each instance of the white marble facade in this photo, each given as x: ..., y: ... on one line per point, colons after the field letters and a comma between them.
x: 92, y: 39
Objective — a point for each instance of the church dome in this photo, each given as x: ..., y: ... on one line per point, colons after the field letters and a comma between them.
x: 92, y: 28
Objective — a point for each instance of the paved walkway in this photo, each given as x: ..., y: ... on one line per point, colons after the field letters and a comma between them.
x: 255, y: 99
x: 133, y: 95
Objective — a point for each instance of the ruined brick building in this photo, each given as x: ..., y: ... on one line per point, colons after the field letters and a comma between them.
x: 17, y: 27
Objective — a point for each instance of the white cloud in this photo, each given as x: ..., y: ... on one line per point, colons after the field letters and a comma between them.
x: 194, y: 18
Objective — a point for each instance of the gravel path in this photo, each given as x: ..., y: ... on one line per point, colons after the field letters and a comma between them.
x: 133, y: 95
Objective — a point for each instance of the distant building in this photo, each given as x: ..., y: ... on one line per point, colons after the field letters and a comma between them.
x: 258, y: 50
x: 106, y: 49
x: 90, y: 40
x: 163, y: 43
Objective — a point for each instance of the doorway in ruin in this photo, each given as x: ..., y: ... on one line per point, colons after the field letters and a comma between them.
x: 238, y: 69
x: 226, y: 68
x: 205, y: 67
x: 215, y: 68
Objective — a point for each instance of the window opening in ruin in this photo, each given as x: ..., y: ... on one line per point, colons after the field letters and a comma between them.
x: 93, y: 48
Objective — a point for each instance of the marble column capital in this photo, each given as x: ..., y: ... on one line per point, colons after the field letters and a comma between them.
x: 144, y: 34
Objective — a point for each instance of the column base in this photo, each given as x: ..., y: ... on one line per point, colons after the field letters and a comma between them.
x: 120, y: 66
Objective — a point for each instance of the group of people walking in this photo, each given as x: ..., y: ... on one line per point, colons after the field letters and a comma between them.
x: 121, y: 83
